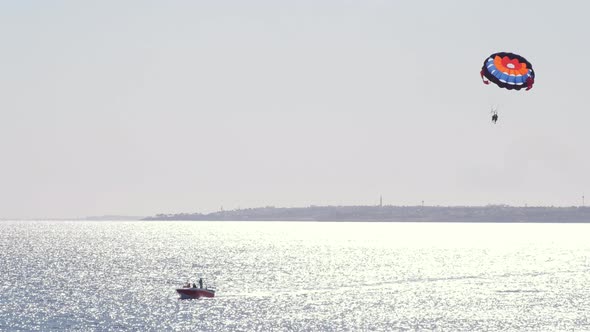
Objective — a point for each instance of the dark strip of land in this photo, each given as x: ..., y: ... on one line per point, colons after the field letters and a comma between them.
x: 490, y: 213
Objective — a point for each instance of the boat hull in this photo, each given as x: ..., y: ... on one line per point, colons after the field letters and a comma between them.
x: 195, y: 293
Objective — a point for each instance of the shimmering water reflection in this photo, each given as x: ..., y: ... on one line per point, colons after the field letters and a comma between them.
x: 294, y: 276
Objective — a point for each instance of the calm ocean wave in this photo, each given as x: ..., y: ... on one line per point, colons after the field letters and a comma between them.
x: 121, y: 276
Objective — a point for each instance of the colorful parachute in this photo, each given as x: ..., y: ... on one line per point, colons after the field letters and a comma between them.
x: 509, y: 71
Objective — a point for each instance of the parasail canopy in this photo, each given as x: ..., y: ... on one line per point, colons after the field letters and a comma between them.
x: 509, y: 71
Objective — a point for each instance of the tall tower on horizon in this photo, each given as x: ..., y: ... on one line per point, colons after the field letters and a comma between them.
x: 381, y: 201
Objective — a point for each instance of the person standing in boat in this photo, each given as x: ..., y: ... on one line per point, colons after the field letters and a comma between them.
x: 201, y: 283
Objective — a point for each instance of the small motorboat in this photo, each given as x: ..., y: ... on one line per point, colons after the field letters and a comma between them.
x: 193, y: 292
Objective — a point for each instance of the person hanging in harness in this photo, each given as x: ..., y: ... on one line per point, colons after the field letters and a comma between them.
x: 494, y: 112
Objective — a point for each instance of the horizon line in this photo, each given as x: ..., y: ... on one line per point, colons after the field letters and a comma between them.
x: 139, y: 216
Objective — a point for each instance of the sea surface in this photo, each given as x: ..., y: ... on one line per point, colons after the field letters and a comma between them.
x: 294, y: 276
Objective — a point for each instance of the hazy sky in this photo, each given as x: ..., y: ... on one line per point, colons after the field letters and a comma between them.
x: 142, y: 107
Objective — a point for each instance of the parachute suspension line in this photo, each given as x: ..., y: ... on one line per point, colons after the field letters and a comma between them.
x: 484, y: 81
x: 494, y: 109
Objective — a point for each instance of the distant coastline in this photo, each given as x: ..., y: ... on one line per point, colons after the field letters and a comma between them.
x: 489, y: 213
